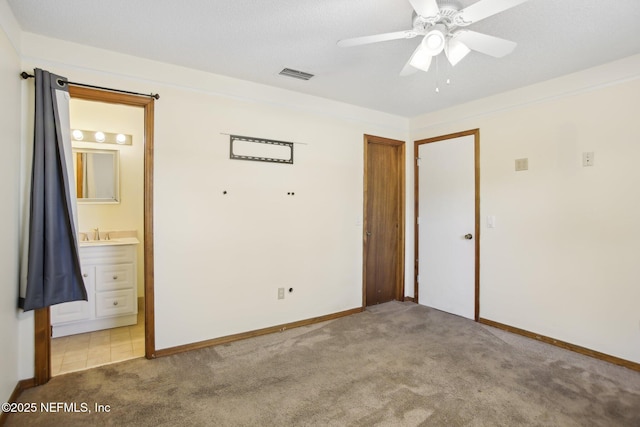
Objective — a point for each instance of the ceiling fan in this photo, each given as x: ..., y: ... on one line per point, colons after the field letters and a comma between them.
x: 441, y: 23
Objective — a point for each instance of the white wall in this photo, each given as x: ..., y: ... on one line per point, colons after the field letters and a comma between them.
x: 129, y: 213
x: 562, y: 260
x: 9, y: 194
x: 219, y: 259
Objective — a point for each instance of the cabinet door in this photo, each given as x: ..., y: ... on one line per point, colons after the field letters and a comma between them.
x: 76, y: 310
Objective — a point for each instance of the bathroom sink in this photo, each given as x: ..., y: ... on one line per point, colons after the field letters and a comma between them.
x: 111, y: 242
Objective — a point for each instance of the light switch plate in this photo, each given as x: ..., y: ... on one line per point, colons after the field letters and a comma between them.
x: 522, y: 164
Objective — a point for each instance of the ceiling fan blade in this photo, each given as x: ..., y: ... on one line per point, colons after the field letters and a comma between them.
x: 357, y: 41
x: 486, y: 8
x: 484, y: 43
x: 455, y: 51
x: 425, y: 7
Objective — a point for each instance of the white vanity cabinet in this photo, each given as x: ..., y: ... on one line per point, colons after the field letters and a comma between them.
x: 109, y: 272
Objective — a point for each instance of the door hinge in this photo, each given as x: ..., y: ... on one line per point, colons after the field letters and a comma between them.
x: 418, y: 161
x: 50, y: 330
x: 418, y: 220
x: 418, y: 278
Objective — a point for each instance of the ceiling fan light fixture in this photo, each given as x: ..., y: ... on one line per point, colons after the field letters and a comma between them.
x: 421, y: 59
x: 456, y: 51
x: 434, y: 41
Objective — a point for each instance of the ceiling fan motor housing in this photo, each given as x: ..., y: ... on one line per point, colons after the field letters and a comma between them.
x: 449, y: 9
x: 447, y: 16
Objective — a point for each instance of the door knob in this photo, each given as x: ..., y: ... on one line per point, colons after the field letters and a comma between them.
x: 368, y: 233
x: 468, y: 236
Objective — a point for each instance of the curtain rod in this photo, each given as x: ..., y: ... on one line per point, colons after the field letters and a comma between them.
x: 26, y: 75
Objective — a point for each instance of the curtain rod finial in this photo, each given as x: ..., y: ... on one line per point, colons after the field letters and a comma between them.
x: 25, y: 75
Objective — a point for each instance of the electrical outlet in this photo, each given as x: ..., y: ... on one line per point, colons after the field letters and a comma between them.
x: 280, y: 293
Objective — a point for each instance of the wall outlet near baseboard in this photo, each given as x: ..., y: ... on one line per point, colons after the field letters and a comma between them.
x: 280, y: 293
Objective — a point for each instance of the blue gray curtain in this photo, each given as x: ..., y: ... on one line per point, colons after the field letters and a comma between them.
x: 53, y: 266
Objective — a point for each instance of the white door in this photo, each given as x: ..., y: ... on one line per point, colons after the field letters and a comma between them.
x: 446, y: 225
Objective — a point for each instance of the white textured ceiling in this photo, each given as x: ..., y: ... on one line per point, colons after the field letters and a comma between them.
x: 254, y: 39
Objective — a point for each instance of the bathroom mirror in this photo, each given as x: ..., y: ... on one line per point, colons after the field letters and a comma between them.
x: 97, y: 175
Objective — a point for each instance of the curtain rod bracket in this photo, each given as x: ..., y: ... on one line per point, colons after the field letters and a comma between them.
x: 26, y: 75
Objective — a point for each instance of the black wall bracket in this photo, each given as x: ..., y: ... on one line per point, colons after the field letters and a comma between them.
x: 260, y: 150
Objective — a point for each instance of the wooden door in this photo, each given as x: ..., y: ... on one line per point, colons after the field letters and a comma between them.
x: 384, y: 220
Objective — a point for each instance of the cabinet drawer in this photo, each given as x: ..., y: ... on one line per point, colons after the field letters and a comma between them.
x: 113, y: 303
x: 112, y: 277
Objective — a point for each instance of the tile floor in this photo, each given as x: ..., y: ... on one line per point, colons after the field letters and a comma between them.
x: 83, y: 351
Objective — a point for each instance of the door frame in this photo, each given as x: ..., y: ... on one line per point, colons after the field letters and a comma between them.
x: 399, y: 285
x: 476, y: 154
x: 42, y: 319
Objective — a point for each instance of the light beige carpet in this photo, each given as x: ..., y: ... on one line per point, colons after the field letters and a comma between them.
x: 397, y: 364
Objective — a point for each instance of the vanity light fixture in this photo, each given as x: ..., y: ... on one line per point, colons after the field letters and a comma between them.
x: 77, y: 135
x: 101, y: 137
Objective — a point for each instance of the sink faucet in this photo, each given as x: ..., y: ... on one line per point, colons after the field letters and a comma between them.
x: 97, y: 233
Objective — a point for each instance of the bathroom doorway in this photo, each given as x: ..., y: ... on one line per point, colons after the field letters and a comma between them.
x: 127, y: 218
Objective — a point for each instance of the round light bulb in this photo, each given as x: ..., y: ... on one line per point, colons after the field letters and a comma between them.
x: 434, y: 40
x: 77, y: 135
x: 121, y: 138
x: 100, y: 136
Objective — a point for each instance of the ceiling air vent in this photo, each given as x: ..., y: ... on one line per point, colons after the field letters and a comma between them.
x: 296, y: 74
